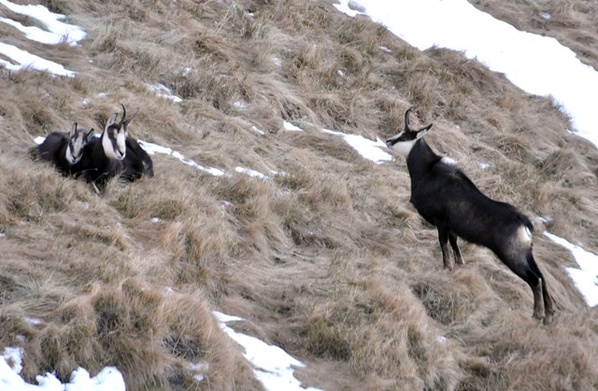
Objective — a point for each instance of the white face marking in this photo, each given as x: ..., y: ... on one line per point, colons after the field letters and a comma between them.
x: 69, y: 156
x: 109, y: 147
x: 404, y: 147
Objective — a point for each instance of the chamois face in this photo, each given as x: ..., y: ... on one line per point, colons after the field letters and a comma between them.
x: 405, y: 140
x: 77, y: 140
x: 113, y: 139
x: 402, y: 142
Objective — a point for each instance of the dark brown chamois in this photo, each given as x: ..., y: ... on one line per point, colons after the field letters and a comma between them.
x: 137, y: 161
x: 448, y: 199
x: 116, y: 154
x: 103, y: 157
x: 64, y: 150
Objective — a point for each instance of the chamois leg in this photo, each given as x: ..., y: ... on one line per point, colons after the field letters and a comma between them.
x: 443, y: 235
x: 520, y: 266
x: 456, y: 251
x: 548, y: 304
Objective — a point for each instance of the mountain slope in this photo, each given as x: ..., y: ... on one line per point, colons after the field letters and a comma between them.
x: 326, y: 258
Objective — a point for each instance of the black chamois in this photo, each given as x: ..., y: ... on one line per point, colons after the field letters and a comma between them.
x: 449, y: 200
x: 137, y: 161
x: 116, y: 154
x: 64, y: 150
x: 103, y: 157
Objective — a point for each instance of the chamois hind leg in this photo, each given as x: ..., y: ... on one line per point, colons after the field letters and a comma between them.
x: 456, y: 251
x: 443, y: 235
x: 520, y: 266
x: 548, y: 304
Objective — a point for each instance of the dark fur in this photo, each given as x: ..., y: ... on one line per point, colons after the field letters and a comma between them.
x: 137, y: 162
x: 96, y: 167
x: 99, y: 168
x: 449, y: 200
x: 53, y: 150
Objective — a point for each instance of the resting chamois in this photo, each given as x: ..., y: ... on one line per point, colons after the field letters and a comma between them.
x: 115, y: 153
x: 103, y: 156
x: 137, y: 161
x: 448, y: 199
x: 64, y: 150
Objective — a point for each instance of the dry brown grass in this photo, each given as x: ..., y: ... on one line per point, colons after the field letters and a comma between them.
x: 327, y: 258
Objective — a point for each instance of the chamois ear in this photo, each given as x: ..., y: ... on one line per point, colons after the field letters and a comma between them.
x: 422, y: 132
x: 88, y: 136
x: 73, y: 131
x: 111, y: 120
x: 128, y: 120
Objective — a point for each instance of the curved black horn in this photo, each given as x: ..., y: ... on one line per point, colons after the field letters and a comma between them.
x: 407, y: 126
x: 122, y: 120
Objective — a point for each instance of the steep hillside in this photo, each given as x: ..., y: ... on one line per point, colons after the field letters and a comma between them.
x: 325, y: 257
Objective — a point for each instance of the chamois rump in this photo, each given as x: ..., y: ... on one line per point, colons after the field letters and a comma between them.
x: 115, y: 153
x: 64, y: 150
x: 445, y: 197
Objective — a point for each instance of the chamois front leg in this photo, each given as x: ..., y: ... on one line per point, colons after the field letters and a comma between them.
x: 456, y: 251
x: 443, y: 236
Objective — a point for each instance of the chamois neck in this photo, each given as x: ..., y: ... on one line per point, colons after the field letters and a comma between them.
x: 421, y: 159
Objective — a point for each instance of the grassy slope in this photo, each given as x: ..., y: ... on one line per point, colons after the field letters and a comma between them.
x: 330, y: 262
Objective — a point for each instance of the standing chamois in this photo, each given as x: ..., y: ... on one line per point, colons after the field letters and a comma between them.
x: 64, y: 150
x: 115, y: 153
x: 448, y: 199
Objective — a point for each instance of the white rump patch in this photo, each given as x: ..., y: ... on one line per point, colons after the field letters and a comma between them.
x: 524, y: 234
x: 449, y: 161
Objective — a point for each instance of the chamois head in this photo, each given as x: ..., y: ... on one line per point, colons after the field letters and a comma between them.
x: 115, y: 135
x: 77, y: 140
x: 405, y: 140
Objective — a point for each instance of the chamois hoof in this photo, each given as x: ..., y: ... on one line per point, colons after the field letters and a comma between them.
x: 549, y: 318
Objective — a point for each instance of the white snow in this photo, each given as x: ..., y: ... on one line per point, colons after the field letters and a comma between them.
x: 251, y: 173
x: 290, y: 127
x: 537, y: 64
x: 586, y: 277
x: 108, y: 379
x: 164, y: 92
x: 151, y: 149
x: 370, y: 150
x: 57, y: 31
x: 24, y: 59
x: 271, y: 365
x: 256, y: 130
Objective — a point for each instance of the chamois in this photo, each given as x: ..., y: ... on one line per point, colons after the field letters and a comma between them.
x: 64, y: 150
x: 137, y: 161
x: 445, y: 197
x: 115, y: 153
x: 103, y: 157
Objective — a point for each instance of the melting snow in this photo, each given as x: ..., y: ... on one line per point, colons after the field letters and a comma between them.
x: 539, y: 65
x: 586, y: 277
x: 24, y: 59
x: 109, y: 378
x: 151, y: 149
x: 290, y: 127
x: 164, y: 92
x: 272, y: 365
x: 57, y: 30
x: 370, y: 150
x: 251, y: 173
